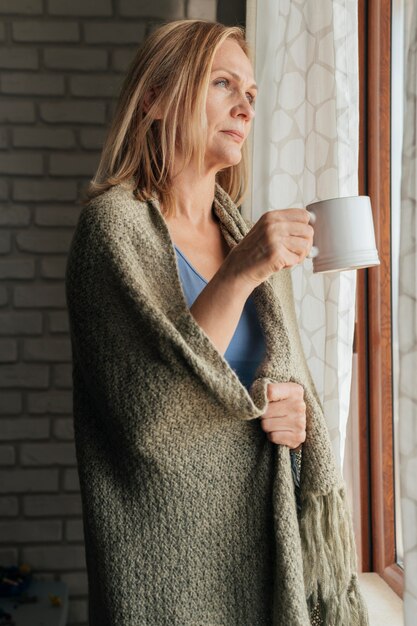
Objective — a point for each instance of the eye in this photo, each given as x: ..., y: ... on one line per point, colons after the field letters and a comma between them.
x: 222, y: 80
x: 225, y: 81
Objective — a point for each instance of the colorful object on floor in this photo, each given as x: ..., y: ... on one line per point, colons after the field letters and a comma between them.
x: 14, y: 580
x: 45, y: 604
x: 54, y: 600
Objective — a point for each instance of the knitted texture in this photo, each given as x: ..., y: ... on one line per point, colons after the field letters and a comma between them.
x: 190, y: 512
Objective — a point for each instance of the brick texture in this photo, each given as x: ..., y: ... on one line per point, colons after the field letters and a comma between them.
x: 16, y: 58
x: 8, y: 350
x: 93, y: 113
x: 62, y: 65
x: 58, y: 138
x: 47, y: 454
x: 115, y: 32
x: 78, y: 59
x: 14, y: 215
x: 16, y: 323
x: 164, y: 9
x: 57, y: 215
x: 5, y: 242
x: 47, y: 242
x: 4, y: 138
x: 202, y: 9
x: 57, y: 322
x: 28, y: 481
x: 78, y: 8
x: 45, y: 31
x: 17, y: 268
x: 58, y: 504
x: 71, y: 480
x: 39, y: 296
x: 18, y: 428
x: 21, y: 7
x: 12, y: 110
x: 43, y: 190
x: 7, y: 457
x: 26, y: 531
x: 4, y: 296
x: 77, y: 583
x: 10, y: 404
x: 21, y: 163
x: 9, y: 507
x: 32, y: 84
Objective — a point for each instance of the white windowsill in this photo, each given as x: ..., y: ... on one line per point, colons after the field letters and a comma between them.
x: 384, y: 606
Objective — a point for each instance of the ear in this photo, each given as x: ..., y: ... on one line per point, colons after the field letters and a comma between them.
x: 150, y: 96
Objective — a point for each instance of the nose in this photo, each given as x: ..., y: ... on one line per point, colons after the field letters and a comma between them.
x: 243, y: 107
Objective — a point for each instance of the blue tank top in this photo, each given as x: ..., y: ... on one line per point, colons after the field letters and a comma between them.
x: 247, y: 346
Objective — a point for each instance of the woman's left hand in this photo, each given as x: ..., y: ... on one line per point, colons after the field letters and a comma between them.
x: 285, y: 418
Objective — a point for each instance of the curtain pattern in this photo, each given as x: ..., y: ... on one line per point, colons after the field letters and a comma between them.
x: 407, y: 327
x: 305, y: 148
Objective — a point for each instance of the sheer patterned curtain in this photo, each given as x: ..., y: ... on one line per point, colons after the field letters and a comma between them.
x: 305, y: 148
x: 407, y: 321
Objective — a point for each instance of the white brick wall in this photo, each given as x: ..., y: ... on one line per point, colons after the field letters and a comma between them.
x: 61, y: 65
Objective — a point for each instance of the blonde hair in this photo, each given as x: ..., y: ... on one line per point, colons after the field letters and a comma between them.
x: 174, y: 63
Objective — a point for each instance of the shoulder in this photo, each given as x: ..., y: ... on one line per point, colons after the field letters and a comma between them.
x: 112, y: 232
x: 116, y: 203
x: 112, y: 213
x: 111, y: 226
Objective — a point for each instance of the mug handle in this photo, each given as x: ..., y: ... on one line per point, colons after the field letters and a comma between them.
x: 313, y: 217
x: 313, y: 252
x: 314, y: 249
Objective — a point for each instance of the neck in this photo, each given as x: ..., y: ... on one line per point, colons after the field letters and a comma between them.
x: 194, y: 197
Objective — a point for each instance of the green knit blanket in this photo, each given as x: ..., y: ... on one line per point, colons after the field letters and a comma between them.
x: 190, y: 512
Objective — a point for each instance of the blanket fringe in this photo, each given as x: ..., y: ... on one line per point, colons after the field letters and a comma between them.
x: 329, y: 559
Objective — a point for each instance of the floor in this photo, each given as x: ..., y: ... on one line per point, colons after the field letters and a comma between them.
x: 384, y: 606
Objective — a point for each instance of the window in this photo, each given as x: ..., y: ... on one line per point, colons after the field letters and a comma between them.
x: 379, y: 545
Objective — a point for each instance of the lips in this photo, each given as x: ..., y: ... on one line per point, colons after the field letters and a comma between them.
x: 235, y: 133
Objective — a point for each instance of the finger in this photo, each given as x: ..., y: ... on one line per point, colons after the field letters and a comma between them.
x: 284, y: 415
x: 283, y: 391
x: 295, y: 215
x: 297, y: 245
x: 286, y: 225
x: 289, y: 259
x: 276, y: 391
x: 286, y: 439
x: 277, y: 408
x: 278, y: 423
x: 291, y: 437
x: 298, y: 229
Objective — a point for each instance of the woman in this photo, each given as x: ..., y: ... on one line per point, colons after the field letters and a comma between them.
x: 183, y: 334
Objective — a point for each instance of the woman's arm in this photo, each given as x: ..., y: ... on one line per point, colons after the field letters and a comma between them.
x: 279, y: 239
x: 218, y: 307
x: 217, y: 311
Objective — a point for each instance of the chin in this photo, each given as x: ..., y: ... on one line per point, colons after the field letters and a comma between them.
x: 232, y: 159
x: 223, y: 161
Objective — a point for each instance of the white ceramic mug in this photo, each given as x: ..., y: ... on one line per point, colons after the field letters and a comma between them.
x: 344, y: 237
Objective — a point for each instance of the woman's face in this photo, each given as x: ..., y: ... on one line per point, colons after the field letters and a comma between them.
x: 229, y: 105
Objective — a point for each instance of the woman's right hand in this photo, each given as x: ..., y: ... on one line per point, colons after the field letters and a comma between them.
x: 279, y: 239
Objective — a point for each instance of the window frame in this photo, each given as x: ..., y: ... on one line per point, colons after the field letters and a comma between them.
x: 373, y: 337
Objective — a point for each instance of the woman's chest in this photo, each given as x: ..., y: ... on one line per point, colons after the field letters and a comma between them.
x: 206, y: 253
